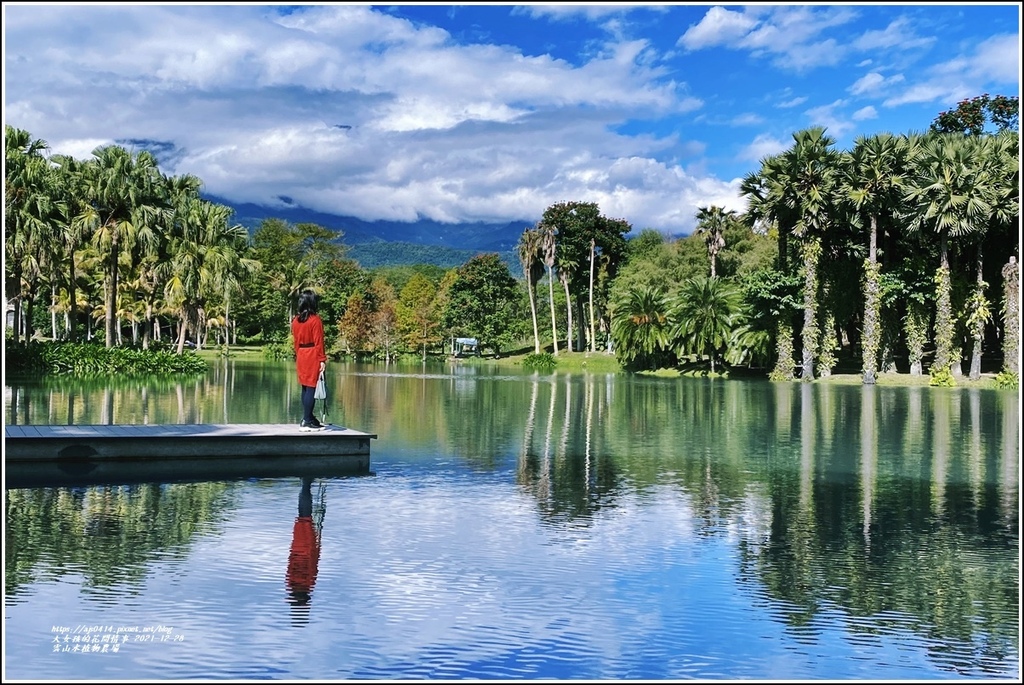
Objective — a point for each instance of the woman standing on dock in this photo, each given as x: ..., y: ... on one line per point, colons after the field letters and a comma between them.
x: 310, y: 356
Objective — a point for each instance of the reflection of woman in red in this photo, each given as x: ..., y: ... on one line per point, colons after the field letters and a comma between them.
x: 304, y: 555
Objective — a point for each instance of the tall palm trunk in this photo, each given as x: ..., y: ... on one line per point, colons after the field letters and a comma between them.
x: 809, y: 336
x: 564, y: 278
x: 869, y: 343
x: 593, y: 342
x: 111, y: 292
x: 979, y: 321
x: 72, y: 298
x: 551, y: 300
x: 533, y: 314
x: 943, y: 311
x: 1011, y: 317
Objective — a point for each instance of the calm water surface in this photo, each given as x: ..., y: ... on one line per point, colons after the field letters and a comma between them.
x: 533, y: 526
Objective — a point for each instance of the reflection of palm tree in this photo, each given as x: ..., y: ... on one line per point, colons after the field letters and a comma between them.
x: 868, y: 458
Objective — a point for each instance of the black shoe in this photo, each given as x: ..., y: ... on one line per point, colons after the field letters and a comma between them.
x: 311, y: 425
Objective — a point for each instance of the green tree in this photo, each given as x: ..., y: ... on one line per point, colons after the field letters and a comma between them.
x: 945, y: 195
x: 703, y: 314
x: 874, y: 173
x: 640, y: 328
x: 483, y: 302
x: 26, y: 208
x: 772, y: 210
x: 417, y: 314
x: 812, y: 167
x: 549, y: 247
x: 711, y: 225
x: 530, y: 251
x: 971, y: 114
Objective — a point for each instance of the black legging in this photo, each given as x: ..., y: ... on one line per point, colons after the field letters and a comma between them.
x: 307, y: 402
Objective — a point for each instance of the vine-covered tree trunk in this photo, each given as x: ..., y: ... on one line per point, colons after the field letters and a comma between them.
x: 979, y: 316
x: 784, y: 361
x: 869, y: 341
x: 943, y: 314
x: 829, y: 345
x: 809, y: 338
x: 916, y: 328
x: 1011, y: 317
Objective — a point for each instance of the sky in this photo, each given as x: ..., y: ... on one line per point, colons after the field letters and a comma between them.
x: 485, y: 112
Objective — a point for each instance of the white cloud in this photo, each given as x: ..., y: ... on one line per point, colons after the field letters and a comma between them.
x: 873, y: 84
x: 865, y: 113
x: 896, y: 35
x: 747, y: 119
x: 764, y: 145
x: 719, y: 26
x: 793, y: 102
x: 826, y: 116
x: 994, y: 61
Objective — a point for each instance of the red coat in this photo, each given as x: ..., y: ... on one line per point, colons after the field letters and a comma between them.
x: 308, y: 339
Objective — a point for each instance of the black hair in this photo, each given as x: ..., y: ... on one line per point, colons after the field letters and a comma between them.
x: 307, y: 304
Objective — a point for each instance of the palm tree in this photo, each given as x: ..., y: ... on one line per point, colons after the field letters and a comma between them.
x: 530, y: 251
x: 25, y: 210
x: 704, y: 313
x: 946, y: 195
x: 875, y: 171
x: 205, y: 253
x: 548, y: 244
x: 711, y: 223
x: 125, y: 203
x: 811, y: 165
x: 640, y: 327
x: 770, y: 207
x: 998, y: 178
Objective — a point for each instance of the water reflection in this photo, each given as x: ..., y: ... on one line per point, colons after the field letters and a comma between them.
x: 891, y: 513
x: 304, y: 554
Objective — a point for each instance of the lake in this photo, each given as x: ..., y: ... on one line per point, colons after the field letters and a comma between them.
x: 521, y: 525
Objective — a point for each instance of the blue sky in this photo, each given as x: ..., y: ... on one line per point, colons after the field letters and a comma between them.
x: 484, y: 112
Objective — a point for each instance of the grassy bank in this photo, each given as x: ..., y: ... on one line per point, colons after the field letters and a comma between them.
x: 603, y: 363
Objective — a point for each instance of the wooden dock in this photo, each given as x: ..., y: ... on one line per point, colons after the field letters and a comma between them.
x: 39, y: 456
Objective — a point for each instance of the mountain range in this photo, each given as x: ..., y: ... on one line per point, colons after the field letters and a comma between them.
x: 394, y: 243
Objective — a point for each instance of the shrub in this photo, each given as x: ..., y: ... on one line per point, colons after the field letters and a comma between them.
x: 90, y: 358
x: 544, y: 361
x: 941, y: 378
x: 1007, y: 380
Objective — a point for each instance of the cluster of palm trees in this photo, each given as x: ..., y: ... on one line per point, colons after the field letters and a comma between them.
x: 114, y: 238
x: 583, y: 249
x: 935, y: 187
x: 863, y: 260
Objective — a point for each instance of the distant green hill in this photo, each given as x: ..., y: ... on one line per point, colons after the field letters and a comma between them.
x: 372, y: 255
